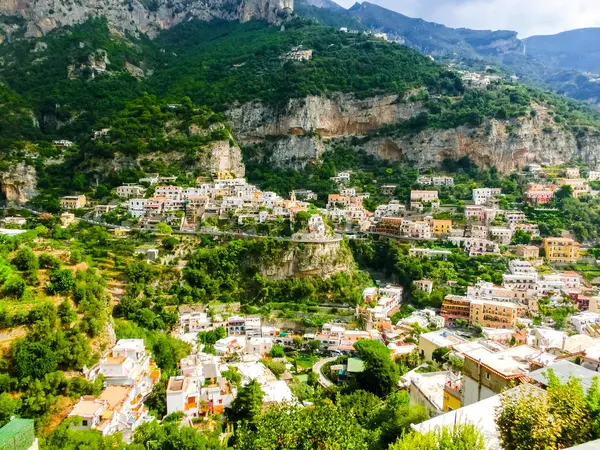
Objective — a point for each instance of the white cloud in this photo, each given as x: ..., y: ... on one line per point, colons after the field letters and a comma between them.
x: 528, y: 17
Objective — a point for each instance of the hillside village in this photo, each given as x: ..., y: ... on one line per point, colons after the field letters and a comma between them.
x: 258, y: 275
x: 541, y: 314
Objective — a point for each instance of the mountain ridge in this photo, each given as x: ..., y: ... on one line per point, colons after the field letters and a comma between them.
x: 33, y: 18
x: 477, y: 49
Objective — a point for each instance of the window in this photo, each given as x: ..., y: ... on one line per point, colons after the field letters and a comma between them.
x: 84, y: 423
x: 487, y: 376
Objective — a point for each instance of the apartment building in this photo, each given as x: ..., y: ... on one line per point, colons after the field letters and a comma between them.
x: 73, y: 202
x: 389, y: 189
x: 392, y: 209
x: 539, y: 196
x: 131, y: 191
x: 391, y: 225
x: 580, y: 186
x: 501, y: 234
x: 424, y: 196
x: 561, y: 250
x: 487, y: 373
x: 475, y: 246
x: 475, y: 212
x: 169, y: 192
x: 248, y: 326
x: 441, y: 227
x: 485, y: 195
x: 492, y: 314
x: 455, y: 307
x: 514, y: 217
x: 118, y: 409
x: 531, y: 228
x: 418, y: 229
x: 429, y: 342
x: 572, y: 172
x: 128, y: 364
x: 435, y: 180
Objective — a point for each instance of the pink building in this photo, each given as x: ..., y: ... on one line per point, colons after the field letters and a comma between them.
x: 540, y: 197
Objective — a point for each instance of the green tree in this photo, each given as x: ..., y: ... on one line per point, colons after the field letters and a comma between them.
x: 66, y: 437
x: 14, y: 287
x: 9, y: 407
x: 395, y: 418
x: 48, y: 261
x: 277, y: 351
x: 247, y: 405
x: 170, y: 435
x: 563, y: 193
x: 140, y: 272
x: 458, y: 437
x: 25, y: 260
x: 61, y: 282
x: 381, y: 375
x: 33, y: 359
x: 521, y: 237
x: 439, y: 355
x: 163, y: 228
x: 323, y: 426
x: 360, y: 405
x: 170, y: 243
x: 313, y: 346
x: 533, y: 419
x: 157, y: 399
x: 66, y: 314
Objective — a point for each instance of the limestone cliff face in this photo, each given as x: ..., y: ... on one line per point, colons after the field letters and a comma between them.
x: 505, y: 145
x: 303, y: 130
x: 311, y: 260
x: 225, y: 157
x: 144, y: 16
x: 336, y: 116
x: 19, y: 183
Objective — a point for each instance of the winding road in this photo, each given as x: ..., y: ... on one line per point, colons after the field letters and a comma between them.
x: 323, y: 381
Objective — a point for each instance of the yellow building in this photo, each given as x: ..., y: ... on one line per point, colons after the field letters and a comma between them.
x: 73, y: 202
x: 441, y: 227
x: 490, y: 314
x: 563, y: 250
x: 453, y: 393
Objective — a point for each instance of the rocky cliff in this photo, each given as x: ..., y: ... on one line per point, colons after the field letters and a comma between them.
x: 335, y: 116
x: 19, y: 183
x: 311, y: 260
x: 303, y: 130
x: 146, y: 16
x: 502, y: 144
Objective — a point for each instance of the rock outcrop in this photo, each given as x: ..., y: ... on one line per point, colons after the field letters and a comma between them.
x: 19, y: 183
x: 311, y: 260
x: 305, y: 128
x: 146, y: 16
x: 225, y: 157
x: 336, y: 116
x: 504, y: 145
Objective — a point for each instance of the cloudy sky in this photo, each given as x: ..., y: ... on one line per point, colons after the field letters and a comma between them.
x: 528, y: 17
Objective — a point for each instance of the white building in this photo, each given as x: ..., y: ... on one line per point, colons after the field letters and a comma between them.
x: 137, y: 206
x: 484, y: 195
x: 128, y: 364
x: 192, y: 321
x: 501, y: 234
x: 581, y: 320
x: 118, y: 409
x: 131, y: 191
x: 243, y: 326
x: 169, y: 192
x: 259, y: 346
